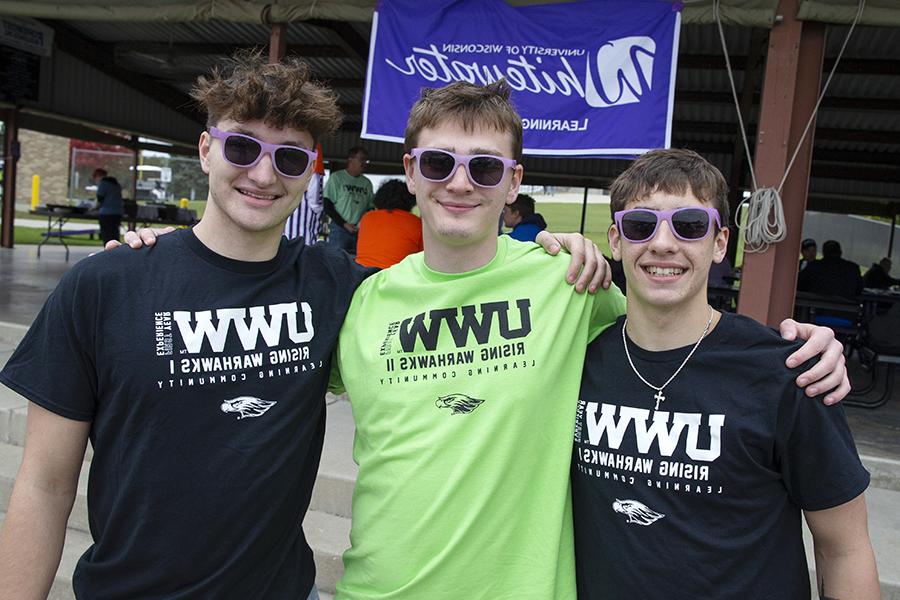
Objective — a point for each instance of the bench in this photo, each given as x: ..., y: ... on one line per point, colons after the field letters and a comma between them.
x: 70, y: 232
x: 61, y: 235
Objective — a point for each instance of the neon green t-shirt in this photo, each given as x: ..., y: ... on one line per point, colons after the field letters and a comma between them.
x: 464, y: 391
x: 352, y: 196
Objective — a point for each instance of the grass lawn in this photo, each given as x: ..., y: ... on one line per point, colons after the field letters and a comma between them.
x: 32, y: 235
x: 566, y: 218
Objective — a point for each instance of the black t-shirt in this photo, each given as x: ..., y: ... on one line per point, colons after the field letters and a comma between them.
x: 702, y: 498
x: 204, y: 379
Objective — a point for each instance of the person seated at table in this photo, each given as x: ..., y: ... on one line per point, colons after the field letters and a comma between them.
x: 520, y: 216
x: 878, y: 276
x: 808, y: 252
x: 831, y: 275
x: 391, y: 232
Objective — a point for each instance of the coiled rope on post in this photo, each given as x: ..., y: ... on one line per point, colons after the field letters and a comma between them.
x: 765, y: 221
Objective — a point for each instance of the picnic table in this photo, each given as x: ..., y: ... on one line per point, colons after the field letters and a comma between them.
x: 57, y: 216
x: 60, y: 214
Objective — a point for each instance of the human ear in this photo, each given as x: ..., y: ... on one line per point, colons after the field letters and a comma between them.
x: 409, y: 168
x: 203, y: 150
x: 514, y: 184
x: 721, y: 245
x: 612, y: 234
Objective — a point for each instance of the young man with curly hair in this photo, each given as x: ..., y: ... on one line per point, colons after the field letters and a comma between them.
x: 206, y: 437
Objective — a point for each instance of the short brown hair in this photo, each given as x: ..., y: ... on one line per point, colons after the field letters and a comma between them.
x: 523, y: 204
x: 673, y: 171
x: 468, y: 104
x: 280, y: 94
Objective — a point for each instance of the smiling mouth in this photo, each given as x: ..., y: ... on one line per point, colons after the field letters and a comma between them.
x: 257, y: 195
x: 663, y: 271
x: 457, y: 207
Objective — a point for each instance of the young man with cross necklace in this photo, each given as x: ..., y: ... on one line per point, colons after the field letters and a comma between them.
x: 695, y: 452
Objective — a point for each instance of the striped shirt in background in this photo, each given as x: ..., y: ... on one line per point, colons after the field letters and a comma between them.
x: 307, y: 218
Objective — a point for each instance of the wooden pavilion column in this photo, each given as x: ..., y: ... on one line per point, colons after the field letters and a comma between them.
x: 790, y: 89
x: 10, y: 157
x: 277, y: 42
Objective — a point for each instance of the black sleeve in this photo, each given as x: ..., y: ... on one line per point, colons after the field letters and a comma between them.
x: 332, y: 212
x: 803, y: 279
x: 816, y: 453
x: 54, y: 366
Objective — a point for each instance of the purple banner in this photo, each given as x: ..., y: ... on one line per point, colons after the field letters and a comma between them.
x: 590, y: 78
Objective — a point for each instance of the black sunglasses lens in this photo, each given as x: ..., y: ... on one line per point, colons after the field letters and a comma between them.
x: 436, y: 165
x: 638, y: 226
x: 241, y: 150
x: 691, y: 223
x: 291, y: 161
x: 486, y: 170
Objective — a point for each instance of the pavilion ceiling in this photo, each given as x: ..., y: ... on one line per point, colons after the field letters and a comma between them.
x: 159, y: 48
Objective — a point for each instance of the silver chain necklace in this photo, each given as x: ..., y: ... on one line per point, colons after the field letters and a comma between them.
x: 659, y: 396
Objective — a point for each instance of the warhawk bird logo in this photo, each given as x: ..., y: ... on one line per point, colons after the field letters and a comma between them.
x: 458, y: 404
x: 246, y: 406
x: 636, y: 512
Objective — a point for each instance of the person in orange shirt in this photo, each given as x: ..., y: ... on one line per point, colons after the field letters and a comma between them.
x: 390, y: 232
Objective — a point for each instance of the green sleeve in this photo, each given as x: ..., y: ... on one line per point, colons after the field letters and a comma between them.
x: 331, y: 184
x: 608, y: 306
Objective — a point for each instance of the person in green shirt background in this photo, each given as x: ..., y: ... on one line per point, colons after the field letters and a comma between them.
x: 348, y: 196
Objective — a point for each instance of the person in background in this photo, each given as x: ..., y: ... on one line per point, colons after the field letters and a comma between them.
x: 391, y: 232
x: 878, y: 276
x: 520, y: 216
x: 109, y: 197
x: 348, y: 196
x: 831, y: 275
x: 306, y: 220
x: 808, y: 252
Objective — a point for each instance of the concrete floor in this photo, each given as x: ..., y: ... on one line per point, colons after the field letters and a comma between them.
x: 26, y: 281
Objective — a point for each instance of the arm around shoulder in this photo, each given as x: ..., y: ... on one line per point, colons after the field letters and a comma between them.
x: 34, y: 530
x: 845, y: 562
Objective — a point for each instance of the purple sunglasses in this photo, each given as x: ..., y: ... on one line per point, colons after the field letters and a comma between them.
x: 688, y: 224
x: 244, y: 151
x: 484, y: 170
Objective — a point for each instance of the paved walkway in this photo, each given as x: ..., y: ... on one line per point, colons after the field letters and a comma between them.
x: 26, y: 281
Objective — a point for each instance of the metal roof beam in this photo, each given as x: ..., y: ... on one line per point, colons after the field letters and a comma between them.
x: 852, y: 66
x: 829, y: 134
x: 356, y: 46
x: 195, y: 49
x: 97, y: 55
x: 864, y: 104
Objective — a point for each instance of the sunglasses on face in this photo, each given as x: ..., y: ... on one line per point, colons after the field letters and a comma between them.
x: 484, y: 170
x: 243, y: 151
x: 688, y: 224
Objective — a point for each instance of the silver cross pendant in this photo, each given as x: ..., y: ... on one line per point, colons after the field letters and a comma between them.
x: 659, y: 397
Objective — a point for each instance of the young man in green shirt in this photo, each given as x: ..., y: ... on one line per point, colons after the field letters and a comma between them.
x: 462, y: 365
x: 348, y: 196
